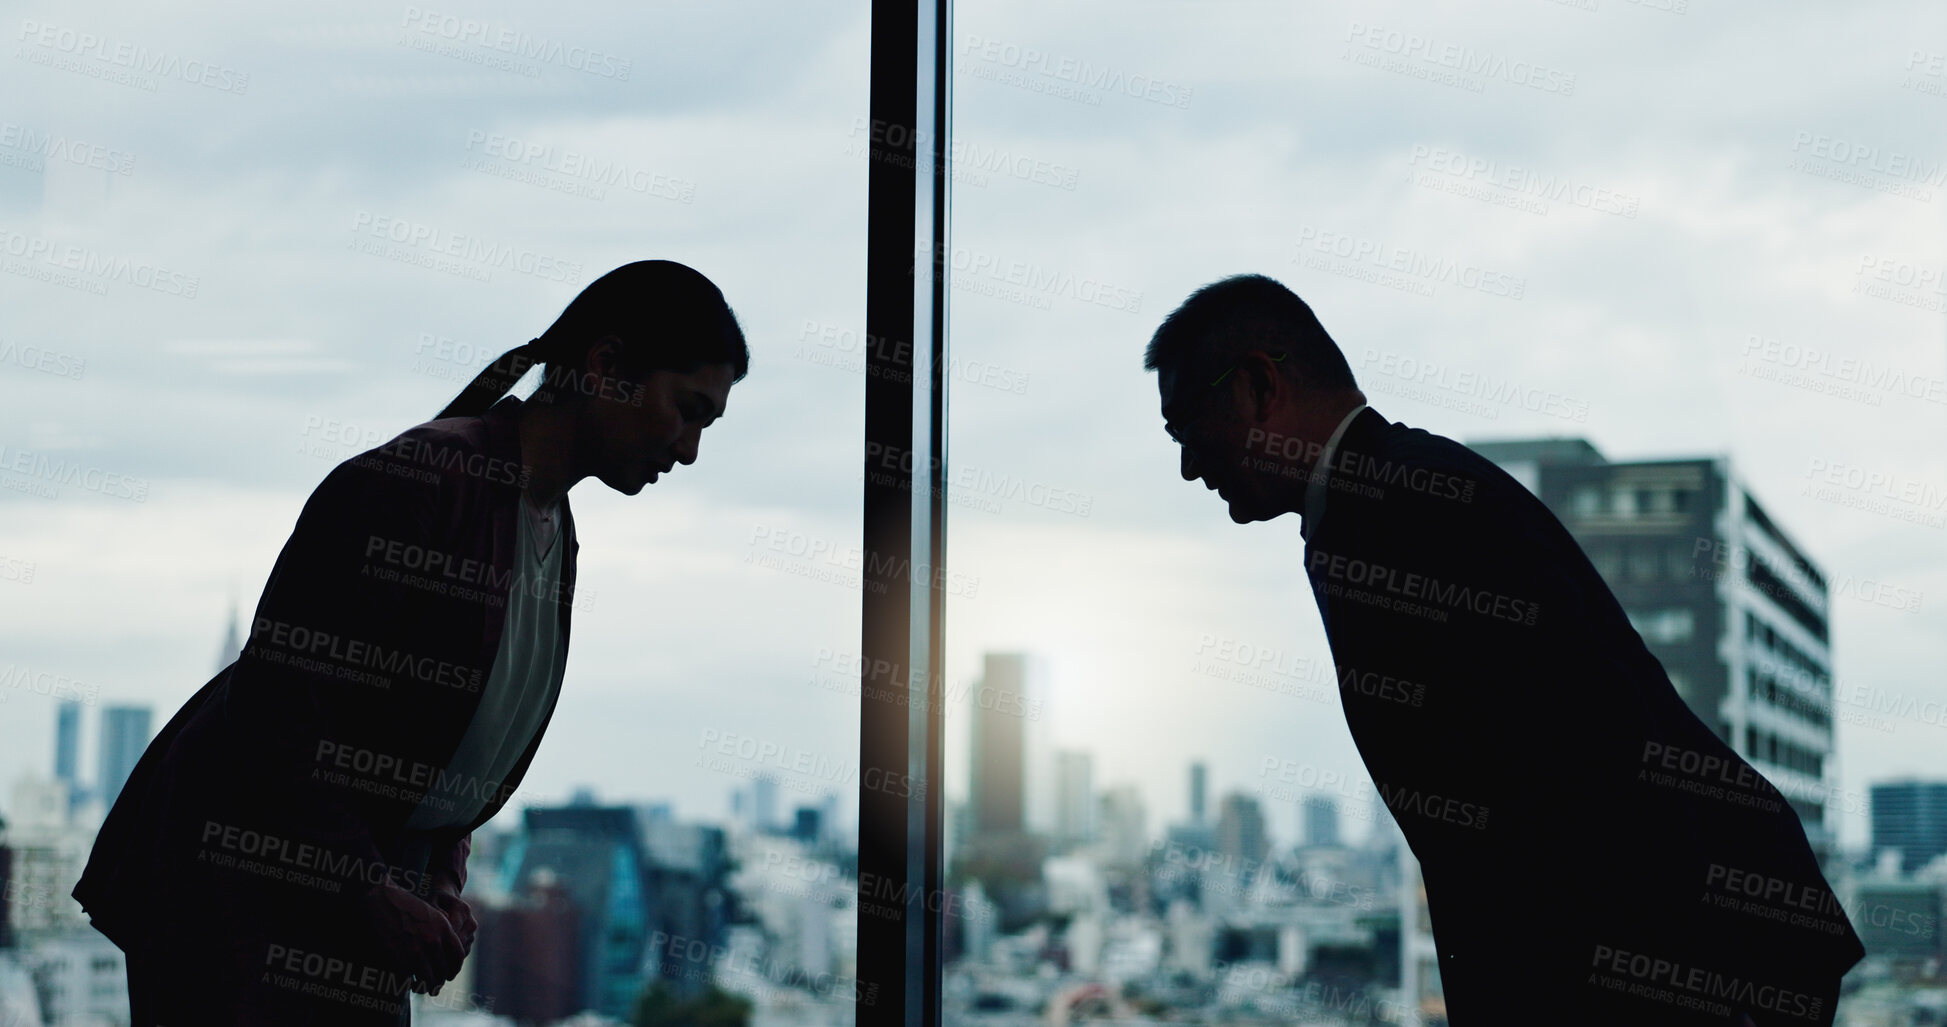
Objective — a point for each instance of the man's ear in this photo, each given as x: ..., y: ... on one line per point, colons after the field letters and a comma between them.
x: 1260, y: 384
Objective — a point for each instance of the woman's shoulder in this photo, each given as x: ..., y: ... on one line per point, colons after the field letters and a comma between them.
x: 453, y: 451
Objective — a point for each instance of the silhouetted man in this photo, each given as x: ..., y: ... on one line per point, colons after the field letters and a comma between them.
x: 1592, y: 852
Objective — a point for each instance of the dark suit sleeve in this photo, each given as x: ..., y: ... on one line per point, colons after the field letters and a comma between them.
x: 309, y: 689
x: 448, y: 863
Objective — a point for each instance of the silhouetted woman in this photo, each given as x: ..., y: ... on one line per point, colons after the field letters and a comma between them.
x: 292, y: 846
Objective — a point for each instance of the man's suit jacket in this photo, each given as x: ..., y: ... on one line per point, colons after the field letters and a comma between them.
x: 277, y: 795
x: 1589, y: 846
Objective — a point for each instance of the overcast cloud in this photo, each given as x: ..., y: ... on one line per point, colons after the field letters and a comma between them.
x: 1744, y: 186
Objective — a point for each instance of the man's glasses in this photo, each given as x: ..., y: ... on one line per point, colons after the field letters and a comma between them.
x: 1276, y: 358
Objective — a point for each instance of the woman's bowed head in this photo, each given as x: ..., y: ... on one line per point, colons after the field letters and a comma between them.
x: 634, y: 369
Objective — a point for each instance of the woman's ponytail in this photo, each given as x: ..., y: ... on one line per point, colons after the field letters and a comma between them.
x: 493, y: 381
x: 668, y: 316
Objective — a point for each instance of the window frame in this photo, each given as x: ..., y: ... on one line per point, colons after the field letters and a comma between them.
x: 903, y: 601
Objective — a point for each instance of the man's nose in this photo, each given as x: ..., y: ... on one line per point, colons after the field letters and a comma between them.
x: 686, y: 446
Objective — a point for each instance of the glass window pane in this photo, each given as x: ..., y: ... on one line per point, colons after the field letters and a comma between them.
x: 243, y: 247
x: 1449, y: 196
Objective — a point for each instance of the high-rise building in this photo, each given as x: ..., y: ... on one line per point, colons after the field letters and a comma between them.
x: 687, y: 867
x: 763, y: 803
x: 1419, y: 957
x: 48, y: 850
x: 596, y: 853
x: 806, y: 825
x: 1724, y: 598
x: 1910, y: 817
x: 1321, y: 818
x: 6, y: 891
x: 527, y: 961
x: 80, y: 976
x: 1899, y: 918
x: 1074, y: 798
x: 232, y: 645
x: 67, y: 750
x: 997, y: 729
x: 1197, y: 834
x: 1241, y: 837
x: 124, y: 734
x: 1125, y: 826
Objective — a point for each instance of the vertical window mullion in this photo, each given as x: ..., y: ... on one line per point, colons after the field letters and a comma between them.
x: 903, y: 577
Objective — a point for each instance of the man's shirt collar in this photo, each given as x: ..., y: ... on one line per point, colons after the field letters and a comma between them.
x: 1316, y: 488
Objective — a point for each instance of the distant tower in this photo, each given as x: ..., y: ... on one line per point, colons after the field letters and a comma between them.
x: 232, y: 643
x: 1321, y: 817
x: 1240, y: 828
x: 67, y: 750
x: 1074, y: 797
x: 124, y: 734
x: 997, y: 786
x: 763, y: 803
x: 1199, y: 787
x: 1125, y: 829
x: 1909, y: 816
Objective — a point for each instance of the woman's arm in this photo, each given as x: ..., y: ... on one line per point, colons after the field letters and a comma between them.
x: 319, y: 679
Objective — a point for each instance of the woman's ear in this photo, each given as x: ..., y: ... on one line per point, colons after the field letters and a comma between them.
x: 604, y: 356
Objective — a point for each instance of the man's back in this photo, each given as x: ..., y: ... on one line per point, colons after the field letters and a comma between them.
x: 1578, y: 826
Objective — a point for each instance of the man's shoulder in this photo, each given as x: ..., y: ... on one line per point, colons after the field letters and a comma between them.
x: 1408, y: 464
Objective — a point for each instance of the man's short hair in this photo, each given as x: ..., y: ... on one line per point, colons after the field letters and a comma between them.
x: 1226, y: 319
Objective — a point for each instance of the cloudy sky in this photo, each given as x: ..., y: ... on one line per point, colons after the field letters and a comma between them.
x: 1667, y: 227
